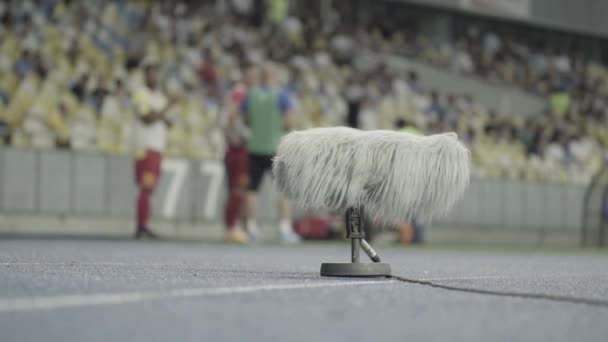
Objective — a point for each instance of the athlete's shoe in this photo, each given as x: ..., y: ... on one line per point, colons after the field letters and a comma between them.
x: 255, y: 235
x: 236, y: 235
x: 145, y: 233
x: 289, y: 236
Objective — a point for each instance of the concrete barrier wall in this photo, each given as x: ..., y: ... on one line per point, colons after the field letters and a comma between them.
x: 89, y: 185
x: 519, y: 205
x: 581, y: 16
x: 502, y: 98
x: 74, y: 184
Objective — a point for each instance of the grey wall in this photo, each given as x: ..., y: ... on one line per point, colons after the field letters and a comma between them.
x: 583, y: 16
x: 90, y: 184
x: 94, y: 185
x: 519, y: 205
x: 505, y: 99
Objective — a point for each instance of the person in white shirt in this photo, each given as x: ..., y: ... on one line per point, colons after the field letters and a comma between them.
x: 151, y: 107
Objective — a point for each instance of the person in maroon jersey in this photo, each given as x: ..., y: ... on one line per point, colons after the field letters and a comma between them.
x: 237, y: 158
x: 152, y: 107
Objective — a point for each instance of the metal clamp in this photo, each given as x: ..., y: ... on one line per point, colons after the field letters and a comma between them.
x: 355, y: 232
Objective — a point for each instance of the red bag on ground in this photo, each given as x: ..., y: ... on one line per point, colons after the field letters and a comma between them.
x: 311, y: 227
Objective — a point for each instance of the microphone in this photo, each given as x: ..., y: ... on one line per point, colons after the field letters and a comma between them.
x: 395, y: 176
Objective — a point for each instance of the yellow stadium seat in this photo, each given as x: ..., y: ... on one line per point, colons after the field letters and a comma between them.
x: 9, y: 82
x: 22, y: 100
x: 107, y: 136
x: 10, y: 46
x: 19, y: 139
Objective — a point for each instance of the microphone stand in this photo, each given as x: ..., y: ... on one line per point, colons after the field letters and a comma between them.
x: 356, y: 234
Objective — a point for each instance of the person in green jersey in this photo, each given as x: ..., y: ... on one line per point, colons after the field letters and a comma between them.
x: 268, y: 113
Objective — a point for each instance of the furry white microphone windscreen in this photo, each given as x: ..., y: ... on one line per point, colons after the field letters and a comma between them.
x: 395, y: 176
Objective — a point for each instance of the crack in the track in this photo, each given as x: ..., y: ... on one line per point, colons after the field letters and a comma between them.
x: 526, y: 295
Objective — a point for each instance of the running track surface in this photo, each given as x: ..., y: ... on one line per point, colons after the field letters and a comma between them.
x: 70, y: 289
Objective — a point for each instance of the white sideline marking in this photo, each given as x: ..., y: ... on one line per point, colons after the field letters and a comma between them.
x: 25, y: 263
x: 76, y: 264
x: 466, y: 278
x: 67, y: 301
x: 474, y: 277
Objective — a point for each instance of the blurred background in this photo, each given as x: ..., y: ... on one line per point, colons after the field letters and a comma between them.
x: 523, y: 82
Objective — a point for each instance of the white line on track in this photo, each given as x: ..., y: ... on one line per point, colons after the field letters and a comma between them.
x: 74, y: 264
x: 67, y: 301
x: 465, y: 278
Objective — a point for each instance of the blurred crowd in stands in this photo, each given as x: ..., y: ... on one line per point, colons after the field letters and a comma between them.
x: 67, y: 69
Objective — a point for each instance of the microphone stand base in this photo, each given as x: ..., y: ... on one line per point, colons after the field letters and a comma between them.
x: 356, y: 269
